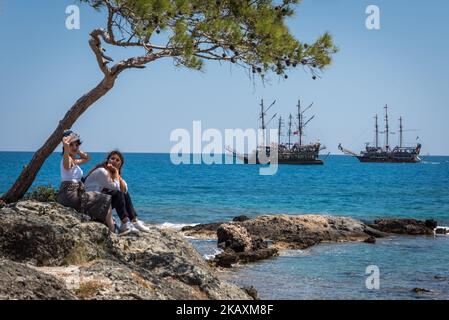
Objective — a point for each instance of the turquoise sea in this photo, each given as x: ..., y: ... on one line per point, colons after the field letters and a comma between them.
x: 170, y: 194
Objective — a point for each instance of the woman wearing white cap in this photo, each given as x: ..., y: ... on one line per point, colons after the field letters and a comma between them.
x: 72, y: 193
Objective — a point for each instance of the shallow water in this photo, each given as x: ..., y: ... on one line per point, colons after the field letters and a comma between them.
x: 338, y: 271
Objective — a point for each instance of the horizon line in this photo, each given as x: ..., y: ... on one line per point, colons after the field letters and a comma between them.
x: 157, y: 152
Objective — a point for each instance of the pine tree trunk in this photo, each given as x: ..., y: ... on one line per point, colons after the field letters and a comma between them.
x: 29, y: 172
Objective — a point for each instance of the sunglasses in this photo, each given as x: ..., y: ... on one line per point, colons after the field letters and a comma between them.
x: 75, y: 144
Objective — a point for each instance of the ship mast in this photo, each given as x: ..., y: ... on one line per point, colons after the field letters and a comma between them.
x: 300, y: 122
x: 377, y: 131
x: 263, y: 113
x: 279, y: 130
x: 400, y: 132
x: 387, y: 133
x: 289, y: 130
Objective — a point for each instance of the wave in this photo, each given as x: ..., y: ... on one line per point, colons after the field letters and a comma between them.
x: 445, y: 228
x: 293, y: 253
x: 433, y: 162
x: 212, y: 255
x: 174, y: 226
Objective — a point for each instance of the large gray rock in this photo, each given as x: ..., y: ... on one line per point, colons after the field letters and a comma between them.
x: 235, y: 237
x: 240, y: 246
x: 48, y: 234
x: 18, y: 281
x: 158, y: 265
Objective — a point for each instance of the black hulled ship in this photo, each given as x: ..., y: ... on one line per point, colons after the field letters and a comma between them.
x: 376, y: 153
x: 289, y: 152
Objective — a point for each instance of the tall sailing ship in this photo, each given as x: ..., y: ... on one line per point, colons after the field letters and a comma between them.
x: 288, y: 152
x: 398, y: 154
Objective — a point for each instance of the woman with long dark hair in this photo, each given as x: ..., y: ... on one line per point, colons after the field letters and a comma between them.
x: 106, y: 177
x: 72, y: 192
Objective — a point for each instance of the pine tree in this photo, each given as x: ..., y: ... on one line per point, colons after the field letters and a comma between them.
x: 251, y: 34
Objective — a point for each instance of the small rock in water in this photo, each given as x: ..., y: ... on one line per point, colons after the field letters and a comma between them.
x: 420, y: 290
x: 240, y: 218
x: 441, y: 231
x: 371, y: 240
x: 252, y: 292
x: 431, y: 223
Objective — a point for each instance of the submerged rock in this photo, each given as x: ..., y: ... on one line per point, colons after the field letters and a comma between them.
x: 371, y: 240
x: 252, y: 292
x: 159, y: 264
x: 421, y: 290
x: 240, y: 218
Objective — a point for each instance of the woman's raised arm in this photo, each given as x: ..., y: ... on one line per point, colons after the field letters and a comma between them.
x: 84, y: 157
x: 67, y: 159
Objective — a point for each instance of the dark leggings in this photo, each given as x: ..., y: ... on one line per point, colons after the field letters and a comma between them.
x: 121, y: 202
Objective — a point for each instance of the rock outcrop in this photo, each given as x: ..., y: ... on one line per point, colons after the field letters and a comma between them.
x: 202, y: 231
x: 20, y: 282
x: 406, y: 226
x: 240, y: 246
x: 234, y: 237
x: 245, y: 240
x: 300, y: 232
x: 294, y: 232
x: 61, y: 257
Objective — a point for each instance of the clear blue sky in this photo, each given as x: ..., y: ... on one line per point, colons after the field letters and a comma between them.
x: 44, y: 68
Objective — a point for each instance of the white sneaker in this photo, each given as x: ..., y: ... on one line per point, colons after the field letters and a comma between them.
x: 127, y: 228
x: 140, y: 226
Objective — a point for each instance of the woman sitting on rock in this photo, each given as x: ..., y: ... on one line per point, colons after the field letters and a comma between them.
x: 72, y: 193
x: 106, y: 178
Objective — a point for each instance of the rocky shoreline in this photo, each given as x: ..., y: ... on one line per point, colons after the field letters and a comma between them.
x: 48, y: 251
x: 246, y: 240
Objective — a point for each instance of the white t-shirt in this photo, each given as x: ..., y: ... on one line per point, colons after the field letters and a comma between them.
x: 100, y: 179
x: 74, y: 174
